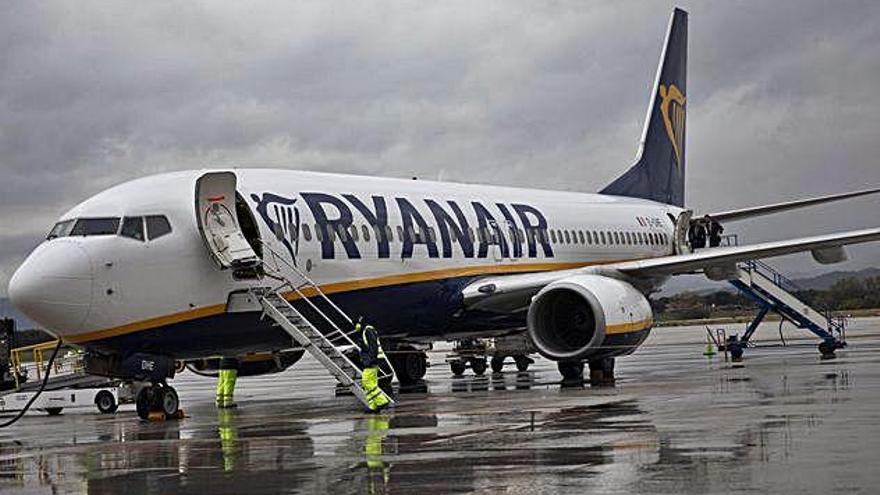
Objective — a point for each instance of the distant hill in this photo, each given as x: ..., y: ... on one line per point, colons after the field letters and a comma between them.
x: 700, y: 285
x: 826, y: 280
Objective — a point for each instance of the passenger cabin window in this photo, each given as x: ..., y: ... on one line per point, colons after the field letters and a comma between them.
x: 133, y: 228
x: 95, y: 226
x: 157, y: 226
x: 307, y: 232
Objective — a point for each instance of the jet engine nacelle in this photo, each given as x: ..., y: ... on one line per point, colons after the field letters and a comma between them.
x: 588, y: 317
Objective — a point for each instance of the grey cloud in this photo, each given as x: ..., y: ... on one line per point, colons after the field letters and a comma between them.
x: 781, y: 98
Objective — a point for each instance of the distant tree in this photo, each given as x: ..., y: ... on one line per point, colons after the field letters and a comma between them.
x: 846, y: 293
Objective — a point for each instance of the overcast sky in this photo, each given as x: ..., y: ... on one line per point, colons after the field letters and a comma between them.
x: 782, y: 99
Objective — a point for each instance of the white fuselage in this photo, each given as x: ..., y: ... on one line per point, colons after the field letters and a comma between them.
x: 94, y: 288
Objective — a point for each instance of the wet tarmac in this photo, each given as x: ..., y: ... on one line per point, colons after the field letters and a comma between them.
x: 676, y: 422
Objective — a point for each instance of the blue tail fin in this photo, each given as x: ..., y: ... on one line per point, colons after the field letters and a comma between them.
x: 658, y: 173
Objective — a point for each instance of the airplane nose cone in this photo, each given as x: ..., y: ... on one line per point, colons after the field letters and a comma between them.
x: 53, y: 286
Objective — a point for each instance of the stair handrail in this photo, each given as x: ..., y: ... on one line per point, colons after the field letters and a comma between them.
x: 787, y: 284
x: 774, y: 275
x: 276, y: 256
x: 345, y: 335
x: 311, y: 304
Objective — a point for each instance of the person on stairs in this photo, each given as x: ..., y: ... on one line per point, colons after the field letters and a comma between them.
x: 371, y: 353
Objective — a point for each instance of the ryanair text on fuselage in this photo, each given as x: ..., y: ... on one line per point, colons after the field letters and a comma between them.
x: 518, y: 229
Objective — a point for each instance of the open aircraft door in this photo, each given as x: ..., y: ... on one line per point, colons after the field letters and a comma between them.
x: 218, y: 221
x: 682, y: 224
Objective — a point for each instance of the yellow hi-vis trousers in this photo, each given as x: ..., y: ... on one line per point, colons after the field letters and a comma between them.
x: 376, y: 398
x: 226, y: 387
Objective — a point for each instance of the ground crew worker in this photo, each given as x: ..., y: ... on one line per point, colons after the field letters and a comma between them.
x: 715, y: 231
x: 226, y: 382
x: 371, y: 353
x: 697, y: 235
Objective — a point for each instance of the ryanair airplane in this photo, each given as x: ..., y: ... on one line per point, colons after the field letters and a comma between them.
x: 160, y: 268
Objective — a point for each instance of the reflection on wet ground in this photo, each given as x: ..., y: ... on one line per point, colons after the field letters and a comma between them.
x: 674, y: 423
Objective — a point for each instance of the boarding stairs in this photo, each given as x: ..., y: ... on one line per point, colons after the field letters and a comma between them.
x: 774, y: 292
x: 336, y: 343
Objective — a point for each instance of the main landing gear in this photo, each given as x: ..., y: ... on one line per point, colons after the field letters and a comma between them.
x: 410, y: 364
x: 571, y: 371
x: 158, y: 401
x: 601, y: 371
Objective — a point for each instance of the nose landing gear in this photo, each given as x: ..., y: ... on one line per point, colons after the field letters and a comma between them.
x: 157, y: 402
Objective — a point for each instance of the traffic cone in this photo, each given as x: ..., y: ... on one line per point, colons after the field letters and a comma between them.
x: 710, y: 349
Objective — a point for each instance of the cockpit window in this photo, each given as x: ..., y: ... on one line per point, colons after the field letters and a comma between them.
x: 133, y: 227
x: 60, y: 229
x: 157, y: 226
x: 95, y: 226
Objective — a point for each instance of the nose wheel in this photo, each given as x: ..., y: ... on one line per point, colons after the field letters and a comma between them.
x: 157, y: 401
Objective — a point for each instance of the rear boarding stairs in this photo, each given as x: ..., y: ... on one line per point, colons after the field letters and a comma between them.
x: 774, y: 292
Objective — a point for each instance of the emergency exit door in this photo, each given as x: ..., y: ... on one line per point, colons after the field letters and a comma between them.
x: 218, y: 222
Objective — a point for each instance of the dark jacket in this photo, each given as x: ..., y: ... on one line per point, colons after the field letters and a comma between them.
x: 369, y: 347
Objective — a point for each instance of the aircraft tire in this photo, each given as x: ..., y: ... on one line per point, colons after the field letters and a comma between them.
x: 144, y: 402
x: 522, y: 363
x: 54, y: 411
x: 411, y: 367
x: 571, y: 370
x: 170, y: 402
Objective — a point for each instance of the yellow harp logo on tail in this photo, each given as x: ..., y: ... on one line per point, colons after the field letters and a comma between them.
x: 672, y: 109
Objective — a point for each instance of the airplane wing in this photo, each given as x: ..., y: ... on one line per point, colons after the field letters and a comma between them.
x: 755, y: 211
x: 513, y: 292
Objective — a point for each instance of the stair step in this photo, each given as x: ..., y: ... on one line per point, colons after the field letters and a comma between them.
x: 328, y: 351
x: 768, y: 286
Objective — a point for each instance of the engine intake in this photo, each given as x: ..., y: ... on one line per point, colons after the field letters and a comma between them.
x: 580, y: 318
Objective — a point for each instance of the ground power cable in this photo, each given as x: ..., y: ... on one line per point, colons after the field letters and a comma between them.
x: 40, y: 391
